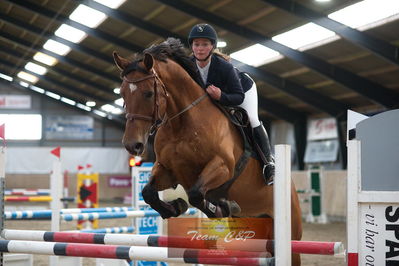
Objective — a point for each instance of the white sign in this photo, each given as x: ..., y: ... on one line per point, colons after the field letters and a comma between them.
x: 69, y: 127
x: 145, y: 225
x: 379, y: 234
x: 15, y: 102
x: 321, y: 151
x: 325, y: 128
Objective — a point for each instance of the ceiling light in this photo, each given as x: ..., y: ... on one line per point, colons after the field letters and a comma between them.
x: 36, y: 68
x: 84, y: 107
x: 99, y: 113
x: 24, y: 84
x: 91, y: 103
x: 107, y: 108
x: 111, y: 109
x: 111, y: 3
x: 56, y: 47
x: 221, y: 44
x: 255, y: 55
x: 27, y: 77
x: 37, y: 89
x: 117, y: 90
x: 303, y: 36
x: 45, y: 59
x: 117, y: 111
x: 70, y: 33
x: 53, y: 95
x: 4, y: 76
x: 68, y: 101
x: 366, y: 12
x: 87, y: 16
x: 323, y: 1
x: 119, y: 102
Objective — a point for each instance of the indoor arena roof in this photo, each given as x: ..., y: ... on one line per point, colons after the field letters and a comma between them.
x: 356, y: 67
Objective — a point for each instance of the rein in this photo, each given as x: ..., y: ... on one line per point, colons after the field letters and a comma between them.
x: 155, y: 118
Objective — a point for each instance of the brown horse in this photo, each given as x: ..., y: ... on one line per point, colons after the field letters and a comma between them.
x: 195, y: 144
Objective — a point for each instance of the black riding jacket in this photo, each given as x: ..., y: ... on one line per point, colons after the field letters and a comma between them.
x: 223, y: 75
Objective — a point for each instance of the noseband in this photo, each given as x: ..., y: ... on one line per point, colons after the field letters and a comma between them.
x: 155, y: 118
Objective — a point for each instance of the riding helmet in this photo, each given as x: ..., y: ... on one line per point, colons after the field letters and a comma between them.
x: 203, y: 31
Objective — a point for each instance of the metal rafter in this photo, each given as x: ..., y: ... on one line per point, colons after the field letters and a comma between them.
x: 60, y: 58
x: 310, y: 97
x: 375, y: 45
x: 127, y: 18
x: 69, y: 75
x: 369, y: 89
x: 63, y: 19
x: 72, y: 45
x: 56, y: 82
x: 289, y: 87
x: 281, y: 111
x: 320, y: 101
x: 118, y: 122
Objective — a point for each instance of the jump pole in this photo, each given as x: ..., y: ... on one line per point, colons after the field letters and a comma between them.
x: 218, y: 257
x: 46, y: 214
x: 27, y: 192
x: 251, y: 245
x: 282, y: 203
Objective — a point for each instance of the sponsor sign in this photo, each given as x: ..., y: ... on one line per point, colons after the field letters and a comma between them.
x: 145, y: 225
x: 379, y: 234
x: 325, y: 128
x: 220, y: 234
x: 120, y: 181
x: 321, y: 151
x: 69, y: 127
x: 15, y: 102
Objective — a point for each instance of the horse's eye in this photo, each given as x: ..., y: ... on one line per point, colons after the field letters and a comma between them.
x: 148, y: 94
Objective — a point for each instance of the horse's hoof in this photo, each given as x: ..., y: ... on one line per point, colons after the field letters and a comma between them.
x: 268, y: 173
x: 235, y: 209
x: 180, y: 205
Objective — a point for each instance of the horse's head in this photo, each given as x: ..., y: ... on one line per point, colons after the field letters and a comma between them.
x: 144, y: 102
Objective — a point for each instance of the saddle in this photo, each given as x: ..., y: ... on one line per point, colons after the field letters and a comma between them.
x: 239, y: 117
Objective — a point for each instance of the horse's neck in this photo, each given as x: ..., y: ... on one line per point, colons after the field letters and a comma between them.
x: 182, y: 94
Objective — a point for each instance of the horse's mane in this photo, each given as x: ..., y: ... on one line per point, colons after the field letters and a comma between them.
x: 170, y: 49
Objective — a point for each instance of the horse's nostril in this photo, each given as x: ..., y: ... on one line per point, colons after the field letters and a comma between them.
x: 138, y: 148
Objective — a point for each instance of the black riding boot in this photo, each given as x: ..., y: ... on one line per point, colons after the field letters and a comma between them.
x: 262, y: 140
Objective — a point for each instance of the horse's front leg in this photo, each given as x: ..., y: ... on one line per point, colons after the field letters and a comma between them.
x: 162, y: 179
x: 215, y: 174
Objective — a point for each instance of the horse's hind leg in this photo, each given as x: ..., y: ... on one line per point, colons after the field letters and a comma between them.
x: 296, y: 259
x: 215, y: 209
x: 161, y: 179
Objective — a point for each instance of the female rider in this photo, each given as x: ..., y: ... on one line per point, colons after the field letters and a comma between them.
x: 228, y: 86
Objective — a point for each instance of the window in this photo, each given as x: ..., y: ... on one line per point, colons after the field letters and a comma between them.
x: 22, y: 126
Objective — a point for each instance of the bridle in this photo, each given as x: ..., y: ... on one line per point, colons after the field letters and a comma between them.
x: 155, y: 118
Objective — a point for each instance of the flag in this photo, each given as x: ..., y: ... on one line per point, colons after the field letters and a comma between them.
x: 57, y: 151
x: 2, y: 131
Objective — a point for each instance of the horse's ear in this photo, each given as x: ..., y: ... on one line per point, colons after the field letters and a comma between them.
x: 148, y: 61
x: 121, y: 62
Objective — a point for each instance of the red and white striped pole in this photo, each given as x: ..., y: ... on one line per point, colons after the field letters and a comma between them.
x: 251, y: 245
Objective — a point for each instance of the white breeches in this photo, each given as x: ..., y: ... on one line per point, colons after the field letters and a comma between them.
x: 250, y: 104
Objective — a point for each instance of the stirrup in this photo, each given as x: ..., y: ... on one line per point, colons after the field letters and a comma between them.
x: 268, y: 172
